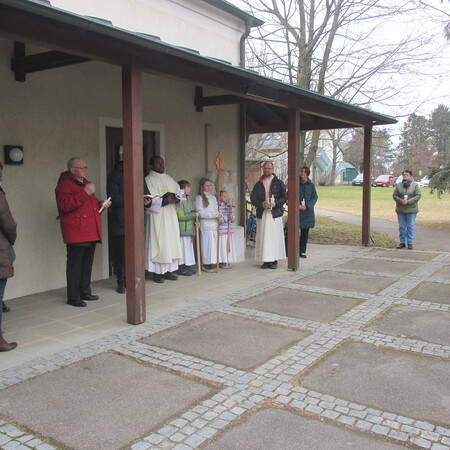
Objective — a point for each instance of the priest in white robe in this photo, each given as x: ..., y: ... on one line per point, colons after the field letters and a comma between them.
x: 162, y: 234
x: 269, y: 196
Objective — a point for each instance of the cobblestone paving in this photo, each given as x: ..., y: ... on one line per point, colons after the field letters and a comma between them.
x: 275, y: 380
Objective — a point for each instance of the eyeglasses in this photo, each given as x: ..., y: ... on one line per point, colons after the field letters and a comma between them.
x: 80, y: 168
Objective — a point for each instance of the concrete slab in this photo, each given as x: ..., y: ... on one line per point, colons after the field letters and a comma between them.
x: 414, y: 323
x: 431, y: 292
x: 404, y: 383
x: 374, y: 265
x: 104, y: 402
x: 301, y: 304
x: 348, y: 281
x: 443, y: 273
x: 402, y: 254
x: 229, y: 340
x: 278, y: 429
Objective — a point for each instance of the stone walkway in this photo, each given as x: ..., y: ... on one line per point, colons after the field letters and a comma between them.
x: 354, y: 352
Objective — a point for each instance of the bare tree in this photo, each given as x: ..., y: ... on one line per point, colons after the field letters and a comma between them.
x: 341, y: 48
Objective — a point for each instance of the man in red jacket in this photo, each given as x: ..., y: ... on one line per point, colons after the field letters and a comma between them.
x: 81, y: 228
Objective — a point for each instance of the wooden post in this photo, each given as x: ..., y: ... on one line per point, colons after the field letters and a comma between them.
x: 367, y: 184
x: 133, y: 193
x: 293, y: 188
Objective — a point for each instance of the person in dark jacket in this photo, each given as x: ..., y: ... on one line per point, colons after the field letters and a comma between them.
x: 81, y: 227
x: 114, y: 189
x: 8, y: 236
x: 308, y: 198
x: 269, y: 196
x: 406, y: 196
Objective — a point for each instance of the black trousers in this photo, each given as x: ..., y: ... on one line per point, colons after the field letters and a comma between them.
x: 80, y: 258
x: 118, y: 243
x: 304, y: 233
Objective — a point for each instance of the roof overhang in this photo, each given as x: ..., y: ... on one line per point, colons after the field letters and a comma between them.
x: 267, y: 101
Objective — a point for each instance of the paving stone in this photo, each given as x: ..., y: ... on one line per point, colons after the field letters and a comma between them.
x: 83, y: 392
x: 293, y: 431
x: 402, y: 254
x: 396, y: 381
x: 232, y: 340
x: 348, y: 281
x: 430, y: 291
x: 443, y: 273
x: 301, y: 304
x: 374, y: 265
x: 414, y: 323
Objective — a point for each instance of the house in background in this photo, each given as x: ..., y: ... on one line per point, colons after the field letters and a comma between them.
x: 322, y: 168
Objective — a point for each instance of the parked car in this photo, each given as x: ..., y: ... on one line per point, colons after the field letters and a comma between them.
x: 424, y: 182
x: 384, y: 181
x: 358, y: 181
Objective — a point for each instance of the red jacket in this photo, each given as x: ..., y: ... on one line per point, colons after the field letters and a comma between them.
x: 78, y: 212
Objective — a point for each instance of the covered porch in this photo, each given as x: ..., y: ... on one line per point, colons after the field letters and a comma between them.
x: 264, y: 105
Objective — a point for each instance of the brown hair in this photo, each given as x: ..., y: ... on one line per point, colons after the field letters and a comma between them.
x: 205, y: 201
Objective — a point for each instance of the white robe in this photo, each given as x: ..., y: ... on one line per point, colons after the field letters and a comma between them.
x: 269, y: 234
x: 162, y: 238
x: 208, y: 228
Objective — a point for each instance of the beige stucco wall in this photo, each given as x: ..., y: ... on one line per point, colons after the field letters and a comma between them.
x: 188, y: 23
x: 58, y: 113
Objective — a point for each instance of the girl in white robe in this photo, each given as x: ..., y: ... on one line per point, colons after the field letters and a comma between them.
x: 206, y: 204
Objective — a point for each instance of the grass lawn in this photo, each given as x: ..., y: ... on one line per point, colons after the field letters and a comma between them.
x: 433, y: 211
x: 331, y: 232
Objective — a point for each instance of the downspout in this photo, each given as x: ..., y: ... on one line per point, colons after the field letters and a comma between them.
x: 242, y: 130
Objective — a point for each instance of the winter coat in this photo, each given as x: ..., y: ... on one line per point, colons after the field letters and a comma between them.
x: 114, y: 189
x: 78, y: 212
x: 186, y: 217
x: 413, y: 193
x: 309, y: 194
x: 277, y: 189
x: 8, y: 236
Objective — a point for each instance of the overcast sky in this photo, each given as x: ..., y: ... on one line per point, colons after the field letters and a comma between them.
x: 426, y: 90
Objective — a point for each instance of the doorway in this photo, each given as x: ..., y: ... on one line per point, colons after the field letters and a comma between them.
x: 114, y: 150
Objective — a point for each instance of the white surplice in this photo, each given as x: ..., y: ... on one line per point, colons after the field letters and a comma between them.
x: 162, y: 237
x: 269, y: 234
x: 208, y: 227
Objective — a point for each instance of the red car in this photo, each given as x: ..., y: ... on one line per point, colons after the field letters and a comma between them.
x: 384, y: 181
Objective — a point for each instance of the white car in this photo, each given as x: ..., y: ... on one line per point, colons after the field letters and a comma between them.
x: 424, y: 182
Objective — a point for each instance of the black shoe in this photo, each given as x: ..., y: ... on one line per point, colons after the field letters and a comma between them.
x: 120, y: 288
x: 170, y: 276
x: 90, y: 297
x: 266, y: 265
x: 401, y: 245
x: 5, y: 307
x: 184, y: 271
x: 158, y: 278
x: 302, y: 255
x: 410, y: 246
x: 274, y: 265
x: 78, y: 303
x: 192, y: 269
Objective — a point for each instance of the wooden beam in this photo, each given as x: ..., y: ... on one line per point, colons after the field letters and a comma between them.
x: 22, y: 64
x: 133, y: 193
x: 367, y: 184
x: 293, y: 187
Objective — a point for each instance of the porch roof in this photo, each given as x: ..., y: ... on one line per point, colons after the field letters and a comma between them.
x: 267, y: 100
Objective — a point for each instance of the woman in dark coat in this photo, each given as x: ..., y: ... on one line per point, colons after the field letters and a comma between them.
x: 7, y: 238
x: 308, y: 198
